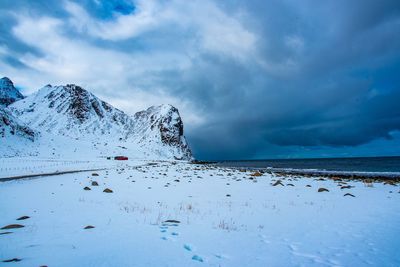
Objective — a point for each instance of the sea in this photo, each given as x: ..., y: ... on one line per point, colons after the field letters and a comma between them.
x: 374, y: 165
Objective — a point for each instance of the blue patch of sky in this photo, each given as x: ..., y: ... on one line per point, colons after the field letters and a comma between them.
x: 107, y: 9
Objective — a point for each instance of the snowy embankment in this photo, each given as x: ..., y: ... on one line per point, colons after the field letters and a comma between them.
x: 177, y: 214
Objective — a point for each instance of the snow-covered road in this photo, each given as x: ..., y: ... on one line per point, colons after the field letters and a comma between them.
x: 31, y: 166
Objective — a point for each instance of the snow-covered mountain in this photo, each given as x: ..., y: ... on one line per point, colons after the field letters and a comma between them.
x: 162, y: 126
x: 8, y: 93
x: 81, y: 119
x: 72, y: 111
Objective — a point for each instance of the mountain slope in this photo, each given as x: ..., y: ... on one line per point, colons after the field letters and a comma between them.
x: 15, y: 136
x: 73, y: 112
x: 11, y: 126
x: 8, y: 93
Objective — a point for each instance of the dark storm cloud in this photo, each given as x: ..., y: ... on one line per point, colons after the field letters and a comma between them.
x: 301, y: 77
x: 345, y: 91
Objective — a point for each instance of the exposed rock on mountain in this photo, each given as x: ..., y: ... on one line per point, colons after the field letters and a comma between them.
x: 163, y: 123
x: 8, y: 93
x: 73, y: 112
x: 11, y: 126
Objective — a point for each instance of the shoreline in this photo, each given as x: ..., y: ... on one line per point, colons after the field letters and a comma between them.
x: 341, y: 174
x: 352, y: 175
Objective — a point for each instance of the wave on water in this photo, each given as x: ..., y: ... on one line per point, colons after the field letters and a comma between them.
x: 373, y: 167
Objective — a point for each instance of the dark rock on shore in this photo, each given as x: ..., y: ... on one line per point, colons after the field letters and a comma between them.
x: 12, y: 226
x: 13, y: 260
x: 279, y: 182
x: 321, y: 189
x: 6, y: 233
x: 346, y: 187
x: 172, y: 221
x: 23, y: 218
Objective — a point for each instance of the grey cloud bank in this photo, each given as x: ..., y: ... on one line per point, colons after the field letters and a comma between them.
x: 252, y: 79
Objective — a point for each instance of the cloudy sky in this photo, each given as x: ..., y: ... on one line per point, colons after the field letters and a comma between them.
x: 252, y: 79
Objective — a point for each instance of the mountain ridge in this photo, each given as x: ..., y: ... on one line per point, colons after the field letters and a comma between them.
x: 72, y: 112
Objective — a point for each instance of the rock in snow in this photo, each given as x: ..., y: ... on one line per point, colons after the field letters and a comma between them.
x: 74, y: 114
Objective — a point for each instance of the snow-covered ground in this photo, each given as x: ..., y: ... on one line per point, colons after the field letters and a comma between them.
x: 226, y: 218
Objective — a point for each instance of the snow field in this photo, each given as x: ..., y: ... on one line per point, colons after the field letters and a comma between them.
x: 177, y: 214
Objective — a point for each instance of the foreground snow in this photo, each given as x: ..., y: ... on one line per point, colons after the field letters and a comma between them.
x: 226, y: 218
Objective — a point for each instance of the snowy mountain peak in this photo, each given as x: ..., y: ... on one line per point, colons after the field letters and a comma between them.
x: 8, y: 93
x: 81, y: 103
x: 74, y: 112
x: 166, y: 124
x: 6, y: 80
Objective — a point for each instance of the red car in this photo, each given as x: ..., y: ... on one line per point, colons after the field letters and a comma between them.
x: 121, y: 158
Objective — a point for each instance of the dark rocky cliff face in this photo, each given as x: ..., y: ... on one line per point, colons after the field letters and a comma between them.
x: 171, y: 129
x: 165, y: 120
x: 8, y: 93
x: 80, y: 102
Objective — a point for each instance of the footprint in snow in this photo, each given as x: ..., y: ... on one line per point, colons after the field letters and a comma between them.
x: 197, y: 258
x: 293, y: 248
x: 264, y: 239
x: 164, y: 229
x: 221, y: 256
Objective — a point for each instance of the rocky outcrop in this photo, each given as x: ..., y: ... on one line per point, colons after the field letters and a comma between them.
x: 8, y: 93
x: 163, y: 123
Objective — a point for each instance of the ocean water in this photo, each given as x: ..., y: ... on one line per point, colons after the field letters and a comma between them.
x: 365, y: 164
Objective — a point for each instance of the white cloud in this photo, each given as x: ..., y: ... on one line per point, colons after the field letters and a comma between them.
x: 213, y: 30
x: 104, y: 72
x: 109, y: 73
x: 122, y: 27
